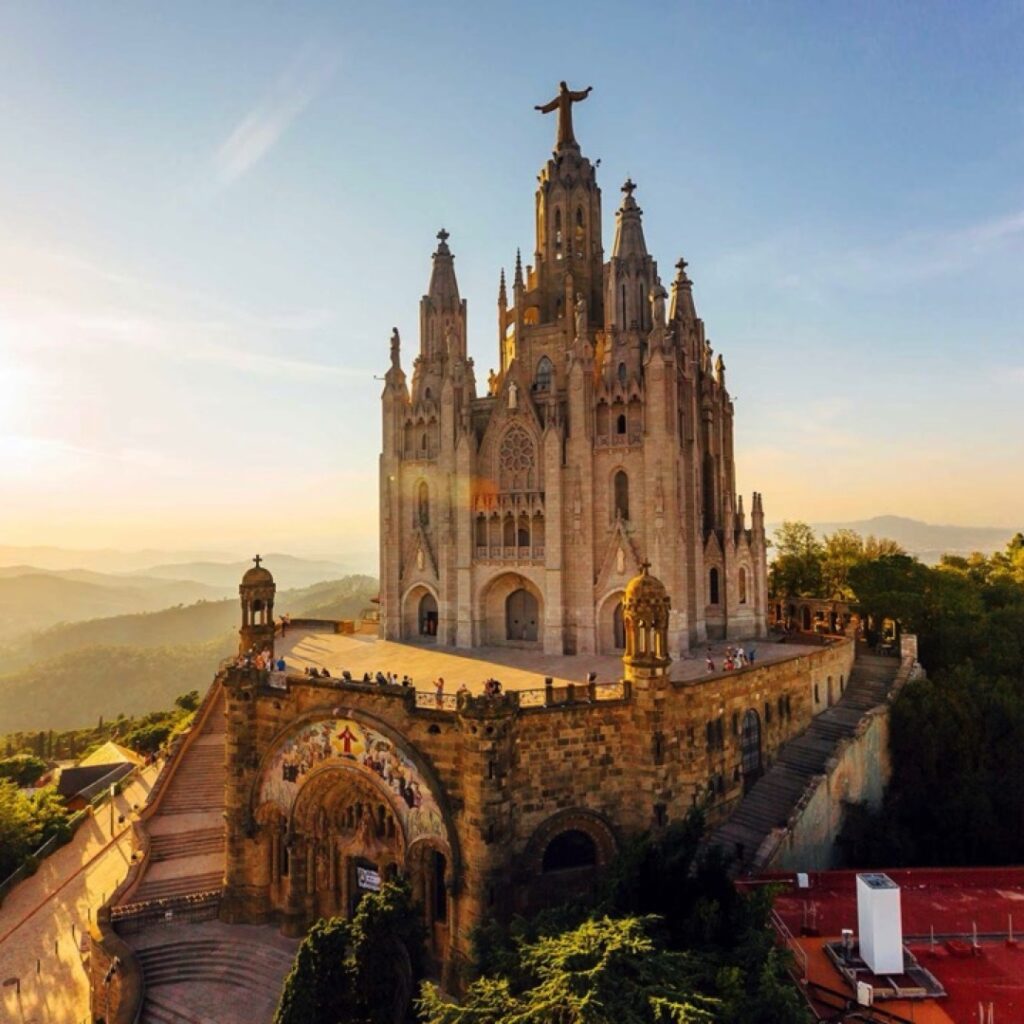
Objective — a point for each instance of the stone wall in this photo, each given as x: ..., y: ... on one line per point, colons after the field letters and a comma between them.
x: 509, y: 774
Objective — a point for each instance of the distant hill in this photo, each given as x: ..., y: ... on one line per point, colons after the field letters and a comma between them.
x: 34, y: 600
x: 68, y: 675
x: 73, y: 689
x: 105, y: 560
x: 927, y: 541
x: 289, y: 571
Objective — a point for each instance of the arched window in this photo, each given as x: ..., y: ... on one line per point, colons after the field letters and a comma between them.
x: 558, y: 234
x: 423, y: 503
x: 572, y: 849
x: 713, y: 587
x: 621, y: 494
x: 516, y: 460
x: 580, y: 235
x: 426, y: 394
x: 481, y: 531
x: 622, y: 373
x: 743, y: 586
x: 620, y: 425
x: 542, y: 382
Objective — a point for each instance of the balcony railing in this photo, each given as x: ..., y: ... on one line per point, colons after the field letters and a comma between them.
x: 535, y: 554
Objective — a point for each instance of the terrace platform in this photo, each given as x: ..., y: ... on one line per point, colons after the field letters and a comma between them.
x: 515, y: 668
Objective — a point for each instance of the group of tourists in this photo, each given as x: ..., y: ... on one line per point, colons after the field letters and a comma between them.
x: 735, y: 657
x: 262, y: 661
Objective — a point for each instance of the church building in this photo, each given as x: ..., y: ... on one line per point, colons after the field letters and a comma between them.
x: 603, y: 440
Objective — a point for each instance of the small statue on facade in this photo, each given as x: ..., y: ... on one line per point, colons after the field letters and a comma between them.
x: 513, y: 395
x: 396, y: 345
x: 449, y: 339
x: 581, y: 316
x: 492, y: 383
x: 657, y: 298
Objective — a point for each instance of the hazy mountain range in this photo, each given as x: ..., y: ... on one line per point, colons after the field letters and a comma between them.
x: 925, y: 540
x: 33, y: 598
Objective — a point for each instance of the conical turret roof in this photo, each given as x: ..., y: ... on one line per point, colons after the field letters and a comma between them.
x: 629, y: 229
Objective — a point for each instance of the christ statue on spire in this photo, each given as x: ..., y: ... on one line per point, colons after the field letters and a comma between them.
x: 563, y: 104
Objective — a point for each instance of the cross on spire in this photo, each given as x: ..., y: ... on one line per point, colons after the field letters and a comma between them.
x: 629, y: 187
x: 681, y: 265
x: 257, y: 560
x: 443, y: 236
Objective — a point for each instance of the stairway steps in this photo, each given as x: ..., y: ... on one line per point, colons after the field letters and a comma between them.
x: 168, y: 887
x: 185, y: 844
x: 770, y: 802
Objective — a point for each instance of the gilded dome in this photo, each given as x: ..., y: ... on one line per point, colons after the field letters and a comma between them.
x: 645, y: 589
x: 257, y: 576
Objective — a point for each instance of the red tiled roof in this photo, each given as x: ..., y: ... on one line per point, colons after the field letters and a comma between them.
x: 950, y: 901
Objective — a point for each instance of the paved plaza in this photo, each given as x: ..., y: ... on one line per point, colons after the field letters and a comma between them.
x: 42, y: 918
x: 517, y: 669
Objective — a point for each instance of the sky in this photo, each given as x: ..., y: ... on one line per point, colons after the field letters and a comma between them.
x: 211, y: 216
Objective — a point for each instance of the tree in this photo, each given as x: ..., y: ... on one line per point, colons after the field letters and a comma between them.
x: 24, y: 769
x: 605, y: 971
x: 797, y: 566
x: 19, y: 830
x: 359, y: 971
x: 841, y: 551
x: 188, y: 701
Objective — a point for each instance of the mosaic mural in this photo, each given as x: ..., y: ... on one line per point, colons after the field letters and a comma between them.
x: 347, y: 742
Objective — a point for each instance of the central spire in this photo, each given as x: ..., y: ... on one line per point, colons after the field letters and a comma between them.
x: 563, y: 104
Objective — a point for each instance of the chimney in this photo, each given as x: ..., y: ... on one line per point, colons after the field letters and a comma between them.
x: 879, y: 924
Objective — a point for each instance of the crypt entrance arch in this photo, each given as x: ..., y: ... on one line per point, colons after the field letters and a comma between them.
x: 342, y: 804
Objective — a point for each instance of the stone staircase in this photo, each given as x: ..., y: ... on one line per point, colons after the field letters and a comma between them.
x: 186, y: 844
x: 198, y: 784
x: 186, y: 832
x: 194, y: 979
x: 773, y: 798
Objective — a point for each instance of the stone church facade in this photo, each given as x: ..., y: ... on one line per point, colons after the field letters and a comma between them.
x: 516, y: 515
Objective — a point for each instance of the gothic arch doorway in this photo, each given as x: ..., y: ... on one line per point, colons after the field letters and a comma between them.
x: 420, y: 615
x: 611, y: 626
x: 750, y: 748
x: 522, y: 614
x: 510, y: 611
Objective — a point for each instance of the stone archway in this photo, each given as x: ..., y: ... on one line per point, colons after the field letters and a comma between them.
x: 512, y: 612
x: 565, y: 856
x: 420, y: 614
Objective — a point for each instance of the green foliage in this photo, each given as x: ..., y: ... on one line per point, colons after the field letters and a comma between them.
x: 358, y: 971
x: 18, y: 827
x: 605, y: 971
x: 797, y: 566
x: 688, y: 907
x: 24, y: 769
x: 956, y: 738
x: 106, y: 680
x: 187, y: 701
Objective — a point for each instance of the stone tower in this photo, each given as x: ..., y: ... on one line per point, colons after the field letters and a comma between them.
x: 256, y: 592
x: 604, y: 439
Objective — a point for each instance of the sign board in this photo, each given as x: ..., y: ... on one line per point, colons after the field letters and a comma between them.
x: 366, y: 878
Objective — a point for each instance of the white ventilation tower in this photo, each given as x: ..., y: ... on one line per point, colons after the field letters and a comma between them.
x: 879, y: 923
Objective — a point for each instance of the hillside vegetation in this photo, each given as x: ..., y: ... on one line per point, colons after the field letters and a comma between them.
x: 66, y: 676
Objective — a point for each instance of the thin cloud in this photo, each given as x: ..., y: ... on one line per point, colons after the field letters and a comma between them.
x: 262, y: 128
